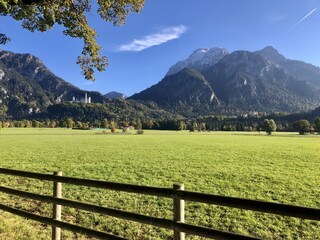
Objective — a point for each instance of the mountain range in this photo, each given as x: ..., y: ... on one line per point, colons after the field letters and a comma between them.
x: 28, y: 89
x: 214, y: 81
x: 209, y: 82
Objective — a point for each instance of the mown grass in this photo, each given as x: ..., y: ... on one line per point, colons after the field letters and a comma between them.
x: 281, y: 168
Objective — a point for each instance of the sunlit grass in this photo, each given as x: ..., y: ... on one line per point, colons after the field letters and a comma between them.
x: 281, y: 168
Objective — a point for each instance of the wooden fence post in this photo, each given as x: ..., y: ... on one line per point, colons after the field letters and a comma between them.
x: 178, y: 211
x: 56, y: 214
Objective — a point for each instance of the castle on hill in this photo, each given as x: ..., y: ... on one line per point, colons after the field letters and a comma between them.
x: 85, y: 100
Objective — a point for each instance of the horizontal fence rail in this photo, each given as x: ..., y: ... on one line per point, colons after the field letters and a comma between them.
x: 154, y: 191
x: 178, y: 195
x: 254, y: 205
x: 64, y: 225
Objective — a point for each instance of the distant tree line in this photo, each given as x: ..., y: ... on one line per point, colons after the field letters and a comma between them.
x: 218, y: 123
x: 121, y: 114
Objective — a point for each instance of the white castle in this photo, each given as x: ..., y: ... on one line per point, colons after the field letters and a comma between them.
x: 86, y: 99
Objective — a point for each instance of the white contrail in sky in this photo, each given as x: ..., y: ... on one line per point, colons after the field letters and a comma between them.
x: 294, y: 26
x: 304, y: 18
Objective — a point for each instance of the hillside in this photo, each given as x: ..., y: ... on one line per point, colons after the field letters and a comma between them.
x: 19, y: 95
x: 28, y: 89
x: 185, y: 91
x: 116, y: 110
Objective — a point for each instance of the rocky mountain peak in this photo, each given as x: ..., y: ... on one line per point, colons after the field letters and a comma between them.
x: 272, y: 54
x: 200, y: 59
x: 26, y: 63
x: 207, y: 54
x: 26, y: 58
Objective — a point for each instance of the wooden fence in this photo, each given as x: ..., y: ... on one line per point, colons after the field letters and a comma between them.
x: 177, y: 194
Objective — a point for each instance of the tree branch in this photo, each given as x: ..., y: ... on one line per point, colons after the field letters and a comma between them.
x: 4, y: 39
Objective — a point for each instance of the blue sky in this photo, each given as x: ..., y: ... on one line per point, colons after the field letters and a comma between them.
x: 166, y: 31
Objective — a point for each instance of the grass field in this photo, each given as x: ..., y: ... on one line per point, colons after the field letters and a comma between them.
x: 284, y: 168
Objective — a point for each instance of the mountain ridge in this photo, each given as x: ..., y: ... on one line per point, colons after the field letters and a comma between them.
x: 263, y: 81
x: 200, y: 59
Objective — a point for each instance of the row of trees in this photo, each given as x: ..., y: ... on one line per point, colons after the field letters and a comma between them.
x: 302, y: 126
x: 268, y: 125
x: 68, y: 123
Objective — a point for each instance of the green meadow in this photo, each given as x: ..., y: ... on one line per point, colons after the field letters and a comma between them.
x: 283, y: 168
